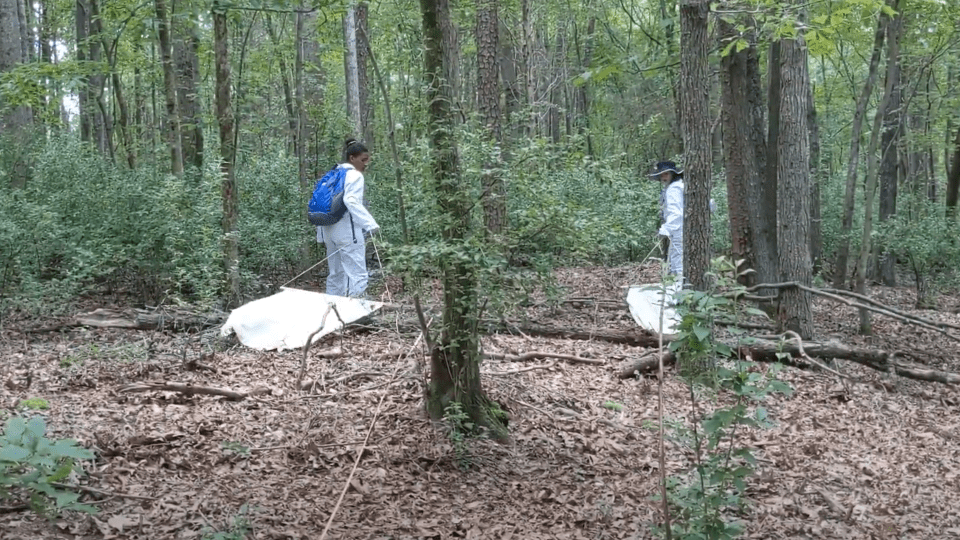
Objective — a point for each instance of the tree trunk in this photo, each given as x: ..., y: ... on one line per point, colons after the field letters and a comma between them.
x: 455, y: 360
x: 793, y: 189
x: 816, y: 236
x: 739, y: 150
x: 890, y: 153
x: 126, y: 136
x: 583, y: 96
x: 697, y: 144
x: 288, y: 101
x: 488, y: 105
x: 84, y: 103
x: 843, y: 252
x: 170, y: 90
x: 13, y: 121
x: 228, y: 183
x: 893, y: 51
x: 186, y: 45
x: 363, y: 82
x: 351, y: 70
x: 953, y: 181
x: 765, y: 203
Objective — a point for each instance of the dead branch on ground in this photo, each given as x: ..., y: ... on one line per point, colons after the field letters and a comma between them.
x: 190, y: 390
x: 536, y: 355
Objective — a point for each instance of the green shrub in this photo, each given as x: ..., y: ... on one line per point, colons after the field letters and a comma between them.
x: 32, y: 467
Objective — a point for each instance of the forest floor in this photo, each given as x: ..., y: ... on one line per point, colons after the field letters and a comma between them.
x: 877, y: 458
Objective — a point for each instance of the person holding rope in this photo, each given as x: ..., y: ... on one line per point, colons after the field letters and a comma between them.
x: 345, y: 239
x: 671, y: 208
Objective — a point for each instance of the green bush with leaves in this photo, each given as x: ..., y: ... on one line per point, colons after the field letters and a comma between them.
x: 706, y: 500
x: 33, y: 467
x: 925, y: 239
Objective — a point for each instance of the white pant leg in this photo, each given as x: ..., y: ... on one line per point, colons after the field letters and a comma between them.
x: 353, y: 259
x: 675, y: 254
x: 336, y: 276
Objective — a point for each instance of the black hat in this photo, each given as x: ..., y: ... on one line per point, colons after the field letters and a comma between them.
x: 664, y: 166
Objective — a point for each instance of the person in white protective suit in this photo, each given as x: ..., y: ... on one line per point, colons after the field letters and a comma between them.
x: 345, y: 241
x: 671, y: 204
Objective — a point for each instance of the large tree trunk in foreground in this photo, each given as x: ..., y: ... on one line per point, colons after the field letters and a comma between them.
x: 697, y: 144
x: 793, y: 189
x: 488, y: 105
x: 739, y: 148
x: 455, y: 359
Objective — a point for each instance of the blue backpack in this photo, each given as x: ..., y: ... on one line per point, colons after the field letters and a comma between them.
x: 326, y: 206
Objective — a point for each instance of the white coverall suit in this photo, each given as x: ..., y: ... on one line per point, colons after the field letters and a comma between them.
x: 346, y: 246
x: 672, y: 228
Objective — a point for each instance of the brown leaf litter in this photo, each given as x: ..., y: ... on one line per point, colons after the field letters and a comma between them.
x: 877, y: 457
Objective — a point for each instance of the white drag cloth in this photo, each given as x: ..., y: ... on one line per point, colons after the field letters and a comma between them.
x: 647, y: 302
x: 285, y: 320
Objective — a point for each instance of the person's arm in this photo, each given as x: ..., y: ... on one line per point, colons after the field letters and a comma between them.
x: 353, y: 199
x: 672, y: 210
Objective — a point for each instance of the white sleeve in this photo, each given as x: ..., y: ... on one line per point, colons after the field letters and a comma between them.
x: 673, y: 210
x: 353, y: 199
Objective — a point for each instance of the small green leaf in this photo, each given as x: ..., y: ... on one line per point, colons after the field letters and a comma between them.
x: 13, y: 453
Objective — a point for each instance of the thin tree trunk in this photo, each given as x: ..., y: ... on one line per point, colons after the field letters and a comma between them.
x: 351, y: 70
x: 186, y: 45
x: 893, y: 51
x: 228, y: 183
x: 816, y: 236
x: 697, y: 144
x: 288, y: 101
x: 793, y: 189
x: 363, y: 81
x: 170, y: 90
x: 953, y: 182
x: 846, y: 226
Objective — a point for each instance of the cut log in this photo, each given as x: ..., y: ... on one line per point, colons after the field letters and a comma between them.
x: 635, y: 337
x: 767, y: 351
x: 166, y: 318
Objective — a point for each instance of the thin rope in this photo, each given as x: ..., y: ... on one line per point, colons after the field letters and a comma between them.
x: 311, y: 268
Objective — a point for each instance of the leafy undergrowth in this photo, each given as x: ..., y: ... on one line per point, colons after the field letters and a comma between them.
x: 879, y: 457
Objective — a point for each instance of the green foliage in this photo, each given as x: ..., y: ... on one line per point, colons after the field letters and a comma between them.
x: 239, y: 528
x: 924, y: 238
x: 235, y: 448
x: 35, y: 404
x: 459, y: 431
x: 33, y: 466
x: 613, y: 406
x: 706, y: 500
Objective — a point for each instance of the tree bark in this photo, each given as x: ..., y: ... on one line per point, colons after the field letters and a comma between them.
x: 186, y: 45
x: 764, y: 201
x: 351, y: 70
x: 697, y: 144
x: 14, y: 121
x: 793, y: 189
x: 743, y: 156
x: 288, y: 101
x: 890, y: 151
x: 363, y: 81
x: 488, y: 105
x: 816, y: 236
x: 846, y: 226
x: 455, y: 359
x: 170, y: 89
x: 228, y: 183
x: 953, y: 181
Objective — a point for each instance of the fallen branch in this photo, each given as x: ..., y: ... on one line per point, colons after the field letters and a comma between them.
x: 536, y: 355
x: 548, y: 365
x: 868, y: 304
x: 95, y: 491
x: 767, y: 351
x: 189, y: 389
x: 305, y: 385
x: 635, y: 337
